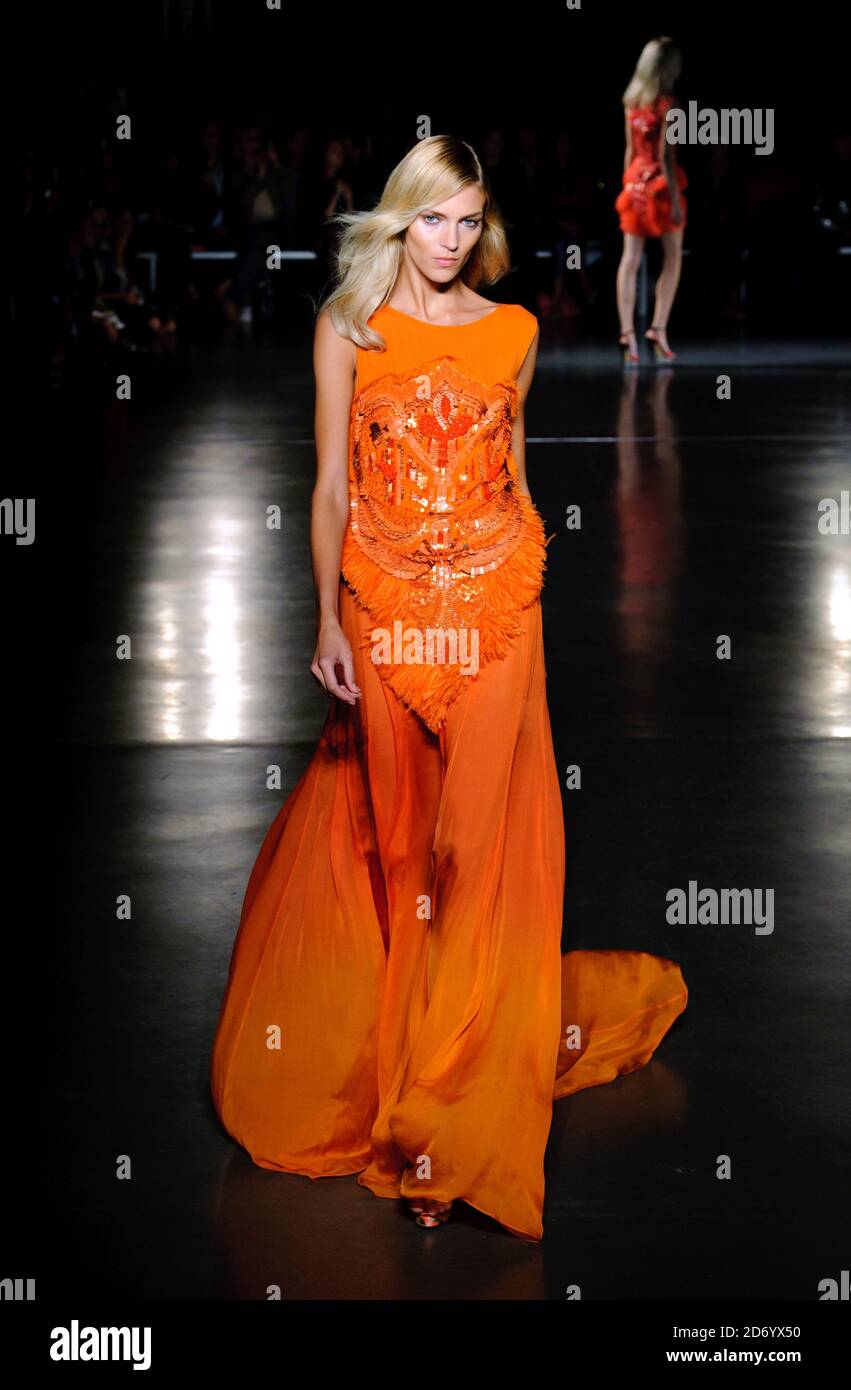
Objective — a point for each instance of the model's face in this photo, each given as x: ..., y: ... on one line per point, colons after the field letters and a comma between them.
x: 440, y: 239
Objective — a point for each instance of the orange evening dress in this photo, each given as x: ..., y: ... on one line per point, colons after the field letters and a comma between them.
x: 397, y: 1004
x: 644, y: 202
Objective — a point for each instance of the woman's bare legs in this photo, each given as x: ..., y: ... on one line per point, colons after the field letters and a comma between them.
x: 666, y: 285
x: 633, y: 250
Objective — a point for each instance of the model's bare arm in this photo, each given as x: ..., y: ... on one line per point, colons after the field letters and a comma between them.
x: 333, y: 367
x: 666, y: 159
x: 518, y: 430
x: 628, y: 139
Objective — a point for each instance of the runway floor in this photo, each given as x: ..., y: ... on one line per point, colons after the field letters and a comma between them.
x: 699, y: 518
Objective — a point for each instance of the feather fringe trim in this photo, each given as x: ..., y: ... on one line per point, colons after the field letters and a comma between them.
x: 429, y: 689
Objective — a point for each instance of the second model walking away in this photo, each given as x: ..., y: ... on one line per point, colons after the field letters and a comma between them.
x: 652, y: 201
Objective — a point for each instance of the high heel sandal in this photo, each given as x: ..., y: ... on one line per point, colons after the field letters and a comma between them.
x: 630, y: 358
x: 662, y: 354
x: 428, y: 1219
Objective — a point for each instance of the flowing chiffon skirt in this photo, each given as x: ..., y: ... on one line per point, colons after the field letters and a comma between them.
x: 397, y: 1004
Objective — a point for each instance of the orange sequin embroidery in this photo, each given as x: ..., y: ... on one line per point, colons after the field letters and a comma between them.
x: 440, y: 538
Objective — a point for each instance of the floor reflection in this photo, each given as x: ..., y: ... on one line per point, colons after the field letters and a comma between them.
x: 650, y: 531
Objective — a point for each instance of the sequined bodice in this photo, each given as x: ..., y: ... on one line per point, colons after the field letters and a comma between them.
x: 441, y: 537
x: 434, y: 495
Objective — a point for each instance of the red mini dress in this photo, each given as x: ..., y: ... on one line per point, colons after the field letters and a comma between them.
x: 644, y: 203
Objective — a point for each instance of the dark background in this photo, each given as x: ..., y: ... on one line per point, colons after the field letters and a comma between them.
x: 346, y: 88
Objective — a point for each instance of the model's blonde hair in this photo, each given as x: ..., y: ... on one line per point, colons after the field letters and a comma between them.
x: 655, y: 73
x: 369, y: 255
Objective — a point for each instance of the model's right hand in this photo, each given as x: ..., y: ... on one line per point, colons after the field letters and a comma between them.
x: 333, y: 665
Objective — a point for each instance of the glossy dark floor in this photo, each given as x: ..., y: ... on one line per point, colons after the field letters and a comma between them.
x: 699, y: 517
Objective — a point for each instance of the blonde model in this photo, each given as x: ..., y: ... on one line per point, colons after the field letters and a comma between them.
x: 398, y: 1005
x: 651, y: 202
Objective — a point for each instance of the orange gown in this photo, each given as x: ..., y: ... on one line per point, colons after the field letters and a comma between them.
x: 398, y: 1005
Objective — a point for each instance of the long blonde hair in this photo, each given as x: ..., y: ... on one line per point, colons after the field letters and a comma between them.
x: 369, y: 255
x: 655, y: 72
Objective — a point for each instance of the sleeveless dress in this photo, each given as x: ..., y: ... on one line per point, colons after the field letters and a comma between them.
x: 397, y: 1004
x: 644, y: 203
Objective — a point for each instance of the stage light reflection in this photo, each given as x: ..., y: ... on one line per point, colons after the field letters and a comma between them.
x: 221, y: 646
x: 839, y: 618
